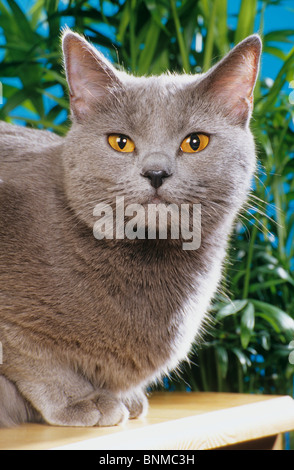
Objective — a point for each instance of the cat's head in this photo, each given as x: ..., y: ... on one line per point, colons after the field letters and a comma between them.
x: 171, y: 138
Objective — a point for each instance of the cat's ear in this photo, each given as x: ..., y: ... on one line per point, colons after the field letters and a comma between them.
x: 231, y: 82
x: 90, y: 76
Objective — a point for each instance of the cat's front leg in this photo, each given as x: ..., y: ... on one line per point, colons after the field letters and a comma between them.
x: 64, y: 398
x: 100, y: 408
x: 136, y: 403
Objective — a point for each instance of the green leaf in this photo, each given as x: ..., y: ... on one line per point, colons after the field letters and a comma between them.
x: 275, y: 51
x: 161, y: 63
x: 210, y: 37
x: 3, y: 10
x: 242, y: 358
x: 280, y: 320
x: 22, y: 22
x: 158, y: 11
x: 271, y: 98
x: 148, y: 52
x: 246, y: 19
x: 182, y: 46
x: 36, y: 13
x: 61, y: 101
x: 265, y: 338
x: 17, y: 99
x: 47, y: 124
x: 50, y: 75
x: 247, y: 324
x: 222, y: 360
x: 280, y: 35
x: 265, y: 285
x: 222, y: 26
x: 231, y: 309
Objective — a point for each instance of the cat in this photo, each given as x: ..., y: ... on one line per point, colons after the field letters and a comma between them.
x: 86, y: 325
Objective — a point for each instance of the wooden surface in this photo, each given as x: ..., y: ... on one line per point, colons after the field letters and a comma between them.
x: 174, y: 421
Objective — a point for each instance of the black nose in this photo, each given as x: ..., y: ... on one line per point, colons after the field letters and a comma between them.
x: 156, y: 177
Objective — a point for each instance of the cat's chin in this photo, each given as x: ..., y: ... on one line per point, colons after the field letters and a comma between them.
x: 156, y: 200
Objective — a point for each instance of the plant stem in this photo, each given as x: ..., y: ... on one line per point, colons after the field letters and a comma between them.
x: 246, y: 19
x: 240, y: 379
x: 202, y: 367
x: 218, y: 374
x: 249, y: 262
x: 182, y: 47
x: 210, y: 36
x: 132, y: 6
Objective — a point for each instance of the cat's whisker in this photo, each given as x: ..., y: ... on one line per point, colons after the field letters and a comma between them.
x: 258, y: 198
x: 262, y: 183
x: 266, y: 204
x: 253, y: 205
x: 245, y: 227
x: 256, y: 208
x: 260, y: 226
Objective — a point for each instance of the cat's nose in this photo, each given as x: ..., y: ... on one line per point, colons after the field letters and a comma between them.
x: 156, y: 177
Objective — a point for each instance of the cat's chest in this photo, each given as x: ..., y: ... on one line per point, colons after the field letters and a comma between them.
x: 138, y: 327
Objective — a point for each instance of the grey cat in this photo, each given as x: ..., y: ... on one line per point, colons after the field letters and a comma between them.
x: 85, y: 324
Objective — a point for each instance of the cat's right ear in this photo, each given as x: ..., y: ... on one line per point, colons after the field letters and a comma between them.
x: 230, y: 83
x: 90, y: 76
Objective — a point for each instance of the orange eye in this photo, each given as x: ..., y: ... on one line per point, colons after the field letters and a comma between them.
x: 121, y: 143
x: 194, y: 143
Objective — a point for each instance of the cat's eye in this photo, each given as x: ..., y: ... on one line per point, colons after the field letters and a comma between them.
x: 194, y: 143
x: 121, y: 143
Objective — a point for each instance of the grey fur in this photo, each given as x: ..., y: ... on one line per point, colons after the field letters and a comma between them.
x: 86, y: 325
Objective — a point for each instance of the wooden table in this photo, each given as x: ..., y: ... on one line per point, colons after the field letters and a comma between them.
x: 174, y: 421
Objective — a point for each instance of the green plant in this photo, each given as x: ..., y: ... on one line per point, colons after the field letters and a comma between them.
x: 247, y: 349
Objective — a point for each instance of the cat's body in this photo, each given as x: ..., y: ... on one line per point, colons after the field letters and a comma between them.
x: 86, y: 324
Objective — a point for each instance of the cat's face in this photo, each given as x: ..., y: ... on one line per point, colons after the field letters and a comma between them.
x: 172, y: 139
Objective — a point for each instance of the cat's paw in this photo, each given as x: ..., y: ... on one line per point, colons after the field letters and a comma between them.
x: 112, y: 410
x: 101, y: 408
x: 80, y: 413
x: 137, y: 404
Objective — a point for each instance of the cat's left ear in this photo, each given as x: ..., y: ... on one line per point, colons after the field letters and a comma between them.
x: 230, y: 83
x: 91, y: 77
